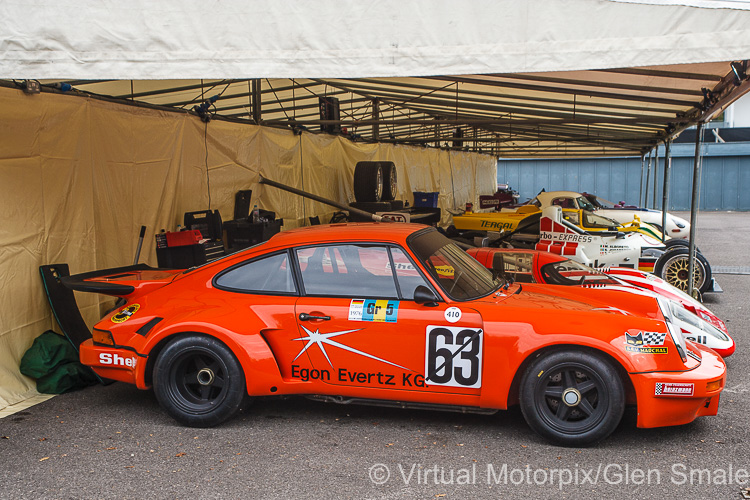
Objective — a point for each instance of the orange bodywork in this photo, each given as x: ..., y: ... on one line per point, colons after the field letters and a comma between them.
x: 374, y: 347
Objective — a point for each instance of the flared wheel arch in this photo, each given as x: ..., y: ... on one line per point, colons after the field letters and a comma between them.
x: 513, y: 392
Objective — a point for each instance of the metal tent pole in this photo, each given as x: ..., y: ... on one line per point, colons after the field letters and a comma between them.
x: 694, y: 202
x: 648, y: 180
x: 656, y: 174
x: 665, y: 188
x: 640, y: 186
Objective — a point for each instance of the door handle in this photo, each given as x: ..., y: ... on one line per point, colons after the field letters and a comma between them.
x: 307, y: 317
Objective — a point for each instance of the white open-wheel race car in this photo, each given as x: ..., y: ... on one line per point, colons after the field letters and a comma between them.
x: 548, y: 230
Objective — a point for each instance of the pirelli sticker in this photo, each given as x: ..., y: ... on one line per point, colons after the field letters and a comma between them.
x: 379, y: 310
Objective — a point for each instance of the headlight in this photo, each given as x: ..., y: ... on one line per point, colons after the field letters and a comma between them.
x: 678, y: 223
x: 697, y: 323
x: 674, y: 330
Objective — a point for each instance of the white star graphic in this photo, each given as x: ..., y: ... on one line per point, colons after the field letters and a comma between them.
x: 325, y: 338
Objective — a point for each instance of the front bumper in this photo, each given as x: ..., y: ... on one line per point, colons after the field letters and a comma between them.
x: 113, y: 362
x: 676, y: 398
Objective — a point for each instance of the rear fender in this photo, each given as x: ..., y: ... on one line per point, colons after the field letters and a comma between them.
x: 262, y: 374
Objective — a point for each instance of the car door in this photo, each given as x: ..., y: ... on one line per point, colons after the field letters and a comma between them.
x: 362, y: 330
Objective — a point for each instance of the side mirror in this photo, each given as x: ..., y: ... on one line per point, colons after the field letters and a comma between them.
x: 620, y: 235
x: 425, y: 297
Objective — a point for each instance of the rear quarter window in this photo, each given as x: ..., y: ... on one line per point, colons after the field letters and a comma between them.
x: 271, y: 274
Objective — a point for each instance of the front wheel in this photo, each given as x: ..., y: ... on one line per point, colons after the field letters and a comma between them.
x: 572, y: 398
x: 673, y: 267
x: 198, y: 381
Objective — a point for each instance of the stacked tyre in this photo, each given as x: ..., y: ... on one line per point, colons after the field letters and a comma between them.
x: 375, y: 187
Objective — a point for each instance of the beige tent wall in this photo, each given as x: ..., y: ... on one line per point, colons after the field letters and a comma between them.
x: 79, y: 176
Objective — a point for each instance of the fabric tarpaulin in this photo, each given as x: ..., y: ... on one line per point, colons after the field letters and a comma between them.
x: 80, y: 176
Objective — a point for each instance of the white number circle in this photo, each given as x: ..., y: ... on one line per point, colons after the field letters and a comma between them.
x: 452, y: 314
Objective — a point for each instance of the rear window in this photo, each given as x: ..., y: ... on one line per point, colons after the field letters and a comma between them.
x: 266, y: 275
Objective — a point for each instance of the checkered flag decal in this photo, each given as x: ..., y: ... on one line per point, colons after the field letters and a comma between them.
x: 653, y: 338
x: 659, y: 388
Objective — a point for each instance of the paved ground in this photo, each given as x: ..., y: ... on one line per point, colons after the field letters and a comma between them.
x: 114, y: 441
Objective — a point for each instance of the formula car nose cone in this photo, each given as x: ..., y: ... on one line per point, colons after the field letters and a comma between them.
x: 571, y: 397
x: 205, y: 376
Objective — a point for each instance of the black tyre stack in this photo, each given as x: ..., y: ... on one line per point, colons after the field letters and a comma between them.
x: 375, y: 187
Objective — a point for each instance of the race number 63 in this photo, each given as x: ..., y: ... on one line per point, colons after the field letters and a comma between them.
x: 453, y: 356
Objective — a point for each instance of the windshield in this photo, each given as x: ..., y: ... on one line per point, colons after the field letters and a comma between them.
x: 591, y: 220
x: 585, y: 204
x: 569, y: 272
x: 457, y: 273
x: 605, y: 203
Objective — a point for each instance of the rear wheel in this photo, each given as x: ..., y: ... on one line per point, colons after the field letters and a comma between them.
x: 673, y: 267
x: 572, y: 398
x: 198, y: 381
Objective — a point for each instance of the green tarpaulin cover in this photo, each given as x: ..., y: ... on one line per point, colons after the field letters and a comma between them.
x: 53, y: 362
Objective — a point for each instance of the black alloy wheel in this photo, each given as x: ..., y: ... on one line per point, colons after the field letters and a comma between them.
x: 198, y: 381
x: 572, y: 398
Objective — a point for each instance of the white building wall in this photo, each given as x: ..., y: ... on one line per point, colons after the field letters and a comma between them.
x: 739, y: 116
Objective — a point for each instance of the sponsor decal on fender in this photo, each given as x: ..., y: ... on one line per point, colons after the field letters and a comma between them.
x: 571, y: 237
x: 125, y: 313
x: 114, y: 359
x: 497, y: 225
x: 646, y: 343
x: 673, y: 389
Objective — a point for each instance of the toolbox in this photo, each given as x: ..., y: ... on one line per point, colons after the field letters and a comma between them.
x: 426, y: 200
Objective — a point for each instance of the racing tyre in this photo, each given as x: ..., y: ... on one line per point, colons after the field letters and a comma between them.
x: 675, y: 243
x: 390, y: 182
x: 198, y: 381
x: 672, y: 267
x: 572, y: 398
x: 368, y: 181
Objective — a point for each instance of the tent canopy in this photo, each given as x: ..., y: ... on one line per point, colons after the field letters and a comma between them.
x: 536, y: 78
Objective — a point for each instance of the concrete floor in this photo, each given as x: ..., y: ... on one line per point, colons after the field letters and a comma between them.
x: 114, y: 441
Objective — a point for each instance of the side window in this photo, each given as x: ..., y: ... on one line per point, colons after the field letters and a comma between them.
x: 267, y: 275
x: 408, y: 276
x: 347, y: 271
x: 563, y: 202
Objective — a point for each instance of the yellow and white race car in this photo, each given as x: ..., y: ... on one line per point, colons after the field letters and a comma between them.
x: 676, y: 227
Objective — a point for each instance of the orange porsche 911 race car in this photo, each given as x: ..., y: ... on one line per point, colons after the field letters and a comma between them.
x: 383, y: 313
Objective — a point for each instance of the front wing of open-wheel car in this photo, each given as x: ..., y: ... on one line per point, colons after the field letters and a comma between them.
x: 396, y: 314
